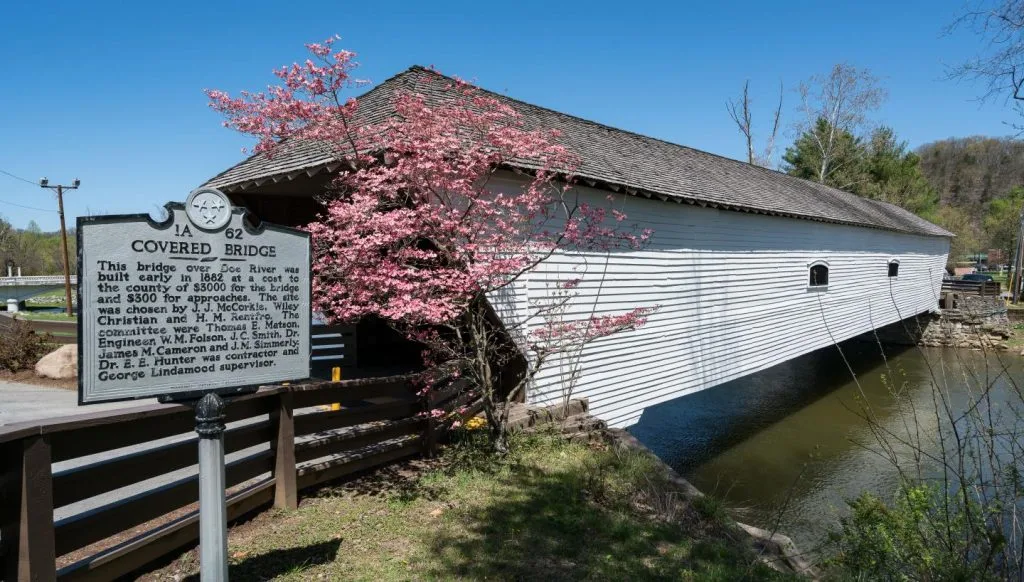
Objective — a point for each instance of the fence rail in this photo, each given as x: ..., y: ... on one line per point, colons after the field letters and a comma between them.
x: 119, y: 509
x: 983, y: 288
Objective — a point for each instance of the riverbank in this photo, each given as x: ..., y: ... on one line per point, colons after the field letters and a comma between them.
x: 551, y: 509
x: 789, y: 446
x: 971, y: 322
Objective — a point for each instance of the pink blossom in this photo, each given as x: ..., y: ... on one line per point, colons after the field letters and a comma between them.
x: 414, y: 232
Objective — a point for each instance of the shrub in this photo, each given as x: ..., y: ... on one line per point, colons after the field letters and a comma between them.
x: 924, y: 534
x: 21, y: 348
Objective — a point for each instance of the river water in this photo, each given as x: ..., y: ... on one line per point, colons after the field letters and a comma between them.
x: 784, y: 448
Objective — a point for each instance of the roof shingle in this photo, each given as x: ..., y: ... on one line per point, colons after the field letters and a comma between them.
x: 622, y: 159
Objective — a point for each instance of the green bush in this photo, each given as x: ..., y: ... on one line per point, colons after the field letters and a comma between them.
x: 21, y: 348
x: 924, y: 534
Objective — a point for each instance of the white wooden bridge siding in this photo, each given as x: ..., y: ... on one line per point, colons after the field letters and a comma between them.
x: 733, y: 295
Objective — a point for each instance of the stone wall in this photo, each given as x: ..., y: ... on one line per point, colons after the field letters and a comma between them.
x: 977, y: 322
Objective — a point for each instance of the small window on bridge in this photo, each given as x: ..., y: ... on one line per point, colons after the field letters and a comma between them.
x: 894, y: 269
x: 819, y: 275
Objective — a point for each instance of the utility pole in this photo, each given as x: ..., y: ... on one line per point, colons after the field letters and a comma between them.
x: 59, y: 188
x: 1015, y: 276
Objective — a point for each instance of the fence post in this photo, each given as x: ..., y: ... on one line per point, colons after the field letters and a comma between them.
x: 429, y: 439
x: 10, y: 508
x: 26, y: 514
x: 285, y: 487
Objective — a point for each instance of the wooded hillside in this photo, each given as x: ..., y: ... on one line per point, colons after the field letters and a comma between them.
x: 969, y: 172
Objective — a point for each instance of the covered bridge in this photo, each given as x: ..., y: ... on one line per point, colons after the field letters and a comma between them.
x: 749, y: 267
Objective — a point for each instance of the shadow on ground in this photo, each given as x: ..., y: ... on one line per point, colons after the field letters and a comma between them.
x: 552, y: 526
x: 399, y: 481
x: 279, y: 562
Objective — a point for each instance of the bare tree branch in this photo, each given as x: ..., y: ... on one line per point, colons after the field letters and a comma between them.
x: 842, y: 99
x: 740, y: 112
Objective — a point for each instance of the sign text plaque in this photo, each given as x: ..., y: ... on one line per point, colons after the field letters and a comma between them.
x: 200, y: 302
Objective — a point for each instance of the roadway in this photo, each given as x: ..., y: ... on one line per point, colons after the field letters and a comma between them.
x: 23, y: 402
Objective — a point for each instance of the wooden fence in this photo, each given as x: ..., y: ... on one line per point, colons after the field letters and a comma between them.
x: 74, y: 507
x: 983, y: 288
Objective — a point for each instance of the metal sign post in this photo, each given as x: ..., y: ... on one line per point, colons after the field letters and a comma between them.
x: 213, y: 515
x: 198, y: 305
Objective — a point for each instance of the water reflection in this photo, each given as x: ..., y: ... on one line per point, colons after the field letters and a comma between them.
x: 788, y: 445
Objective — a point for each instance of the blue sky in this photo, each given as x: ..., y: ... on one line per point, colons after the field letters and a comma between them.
x: 112, y: 92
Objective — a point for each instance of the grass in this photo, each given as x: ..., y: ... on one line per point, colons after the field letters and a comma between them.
x: 45, y: 316
x: 998, y: 276
x: 1016, y: 340
x: 52, y: 298
x: 550, y: 510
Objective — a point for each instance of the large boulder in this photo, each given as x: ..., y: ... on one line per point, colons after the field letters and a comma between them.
x: 61, y: 363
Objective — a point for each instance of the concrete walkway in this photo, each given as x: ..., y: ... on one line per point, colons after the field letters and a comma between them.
x: 24, y: 402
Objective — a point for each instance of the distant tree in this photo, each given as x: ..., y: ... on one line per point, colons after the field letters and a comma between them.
x: 7, y: 234
x: 893, y: 174
x: 845, y: 157
x: 35, y: 251
x: 740, y: 113
x: 960, y: 223
x: 1002, y: 221
x: 26, y: 252
x: 880, y: 168
x: 834, y: 109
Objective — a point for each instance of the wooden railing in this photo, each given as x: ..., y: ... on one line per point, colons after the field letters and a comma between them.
x: 983, y: 288
x: 279, y: 441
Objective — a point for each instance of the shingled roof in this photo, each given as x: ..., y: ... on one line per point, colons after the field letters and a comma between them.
x: 618, y: 160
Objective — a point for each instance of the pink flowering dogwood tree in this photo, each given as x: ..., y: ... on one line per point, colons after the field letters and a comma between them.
x: 415, y: 232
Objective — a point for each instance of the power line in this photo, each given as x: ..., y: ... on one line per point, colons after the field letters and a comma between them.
x: 17, y: 177
x: 27, y: 207
x: 6, y: 173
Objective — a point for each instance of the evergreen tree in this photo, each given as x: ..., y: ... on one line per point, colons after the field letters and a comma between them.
x: 845, y: 168
x: 881, y: 169
x: 893, y: 174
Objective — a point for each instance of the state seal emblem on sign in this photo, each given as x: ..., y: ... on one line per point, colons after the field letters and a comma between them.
x: 207, y: 208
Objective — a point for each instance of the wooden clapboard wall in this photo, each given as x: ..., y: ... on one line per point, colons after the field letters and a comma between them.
x: 732, y: 295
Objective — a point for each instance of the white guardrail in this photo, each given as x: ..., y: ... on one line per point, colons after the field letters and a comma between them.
x: 36, y: 280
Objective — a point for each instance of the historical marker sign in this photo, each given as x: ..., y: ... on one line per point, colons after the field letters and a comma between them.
x: 198, y: 303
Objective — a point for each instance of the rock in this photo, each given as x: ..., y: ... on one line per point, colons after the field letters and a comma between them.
x: 779, y: 552
x: 61, y: 363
